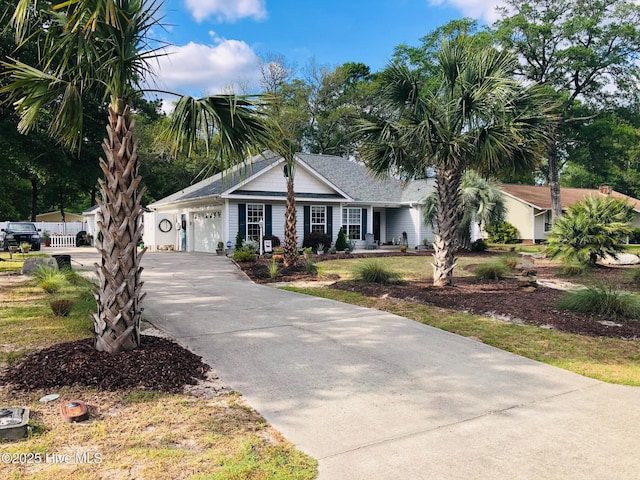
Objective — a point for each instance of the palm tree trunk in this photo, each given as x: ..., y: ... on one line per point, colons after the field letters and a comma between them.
x: 117, y: 322
x: 448, y: 216
x: 290, y: 246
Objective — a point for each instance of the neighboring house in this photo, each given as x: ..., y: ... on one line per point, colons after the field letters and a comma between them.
x: 529, y: 207
x: 57, y: 217
x: 331, y: 192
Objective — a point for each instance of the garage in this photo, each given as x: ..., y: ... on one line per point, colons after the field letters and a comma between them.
x: 207, y: 230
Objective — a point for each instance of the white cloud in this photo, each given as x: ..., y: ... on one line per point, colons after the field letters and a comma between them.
x: 481, y: 9
x: 226, y: 10
x: 196, y: 69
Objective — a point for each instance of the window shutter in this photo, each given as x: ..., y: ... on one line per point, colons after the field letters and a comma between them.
x: 268, y: 224
x: 242, y: 220
x: 307, y: 220
x: 330, y: 221
x: 364, y: 222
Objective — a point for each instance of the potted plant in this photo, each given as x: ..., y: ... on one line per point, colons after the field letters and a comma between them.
x: 320, y: 249
x: 47, y: 238
x: 220, y: 248
x: 25, y: 247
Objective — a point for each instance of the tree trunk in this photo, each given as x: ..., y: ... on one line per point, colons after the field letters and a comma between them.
x: 34, y: 197
x: 117, y: 323
x: 554, y: 183
x: 448, y: 217
x: 290, y: 246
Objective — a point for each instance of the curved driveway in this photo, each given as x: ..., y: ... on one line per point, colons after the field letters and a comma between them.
x: 376, y: 396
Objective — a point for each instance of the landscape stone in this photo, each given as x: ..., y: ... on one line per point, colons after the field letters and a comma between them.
x: 32, y: 264
x: 622, y: 259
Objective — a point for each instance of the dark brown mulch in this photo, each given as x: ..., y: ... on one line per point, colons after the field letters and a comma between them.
x: 159, y: 365
x: 504, y: 300
x: 500, y: 299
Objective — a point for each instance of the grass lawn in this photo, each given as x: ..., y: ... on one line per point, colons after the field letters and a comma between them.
x: 607, y: 359
x: 134, y: 434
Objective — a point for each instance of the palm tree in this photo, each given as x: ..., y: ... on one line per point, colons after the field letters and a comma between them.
x: 104, y: 46
x: 476, y: 116
x: 590, y: 230
x: 482, y: 203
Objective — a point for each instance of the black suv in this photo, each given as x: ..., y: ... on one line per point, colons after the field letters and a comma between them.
x: 17, y: 233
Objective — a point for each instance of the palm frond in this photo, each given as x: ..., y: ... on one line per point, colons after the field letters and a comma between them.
x: 234, y: 121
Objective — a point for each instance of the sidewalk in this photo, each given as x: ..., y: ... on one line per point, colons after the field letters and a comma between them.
x: 376, y: 396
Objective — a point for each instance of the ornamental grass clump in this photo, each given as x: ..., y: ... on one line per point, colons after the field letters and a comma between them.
x: 61, y: 307
x: 51, y: 280
x: 603, y: 301
x: 273, y: 268
x: 633, y: 276
x: 373, y: 271
x: 491, y: 271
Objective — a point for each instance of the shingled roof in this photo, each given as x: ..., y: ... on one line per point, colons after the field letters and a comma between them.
x: 351, y: 177
x: 540, y: 196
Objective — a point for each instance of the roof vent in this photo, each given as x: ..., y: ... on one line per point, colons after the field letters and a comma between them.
x: 605, y: 189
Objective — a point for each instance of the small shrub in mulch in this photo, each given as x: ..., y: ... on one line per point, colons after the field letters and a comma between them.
x: 159, y: 365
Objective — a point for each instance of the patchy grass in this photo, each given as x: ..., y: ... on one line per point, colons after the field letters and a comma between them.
x: 162, y: 437
x: 607, y: 359
x: 135, y: 434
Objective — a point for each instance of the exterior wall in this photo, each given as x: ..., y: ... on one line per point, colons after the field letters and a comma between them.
x: 520, y: 215
x: 275, y: 181
x: 539, y: 221
x: 57, y: 217
x: 400, y: 220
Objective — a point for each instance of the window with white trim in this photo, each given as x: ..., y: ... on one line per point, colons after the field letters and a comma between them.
x: 255, y: 213
x: 318, y: 219
x: 352, y: 222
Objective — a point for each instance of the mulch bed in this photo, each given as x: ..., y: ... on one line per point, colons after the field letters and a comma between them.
x: 160, y: 365
x: 500, y: 299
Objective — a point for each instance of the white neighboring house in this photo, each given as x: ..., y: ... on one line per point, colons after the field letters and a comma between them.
x: 529, y: 207
x: 331, y: 192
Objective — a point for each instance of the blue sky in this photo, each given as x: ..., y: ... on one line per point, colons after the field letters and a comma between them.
x: 218, y: 43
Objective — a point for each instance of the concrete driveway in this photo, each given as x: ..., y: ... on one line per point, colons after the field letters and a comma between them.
x: 376, y: 396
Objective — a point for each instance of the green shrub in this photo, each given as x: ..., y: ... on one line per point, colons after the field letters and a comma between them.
x: 341, y: 241
x: 239, y: 240
x: 605, y: 301
x: 244, y: 255
x: 589, y: 230
x: 315, y: 239
x: 490, y: 271
x: 502, y: 232
x: 479, y: 245
x: 373, y: 271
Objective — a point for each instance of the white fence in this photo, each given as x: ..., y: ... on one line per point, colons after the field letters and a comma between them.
x: 58, y: 228
x: 63, y: 240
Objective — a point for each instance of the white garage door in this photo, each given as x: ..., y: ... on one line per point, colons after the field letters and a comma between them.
x: 207, y: 231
